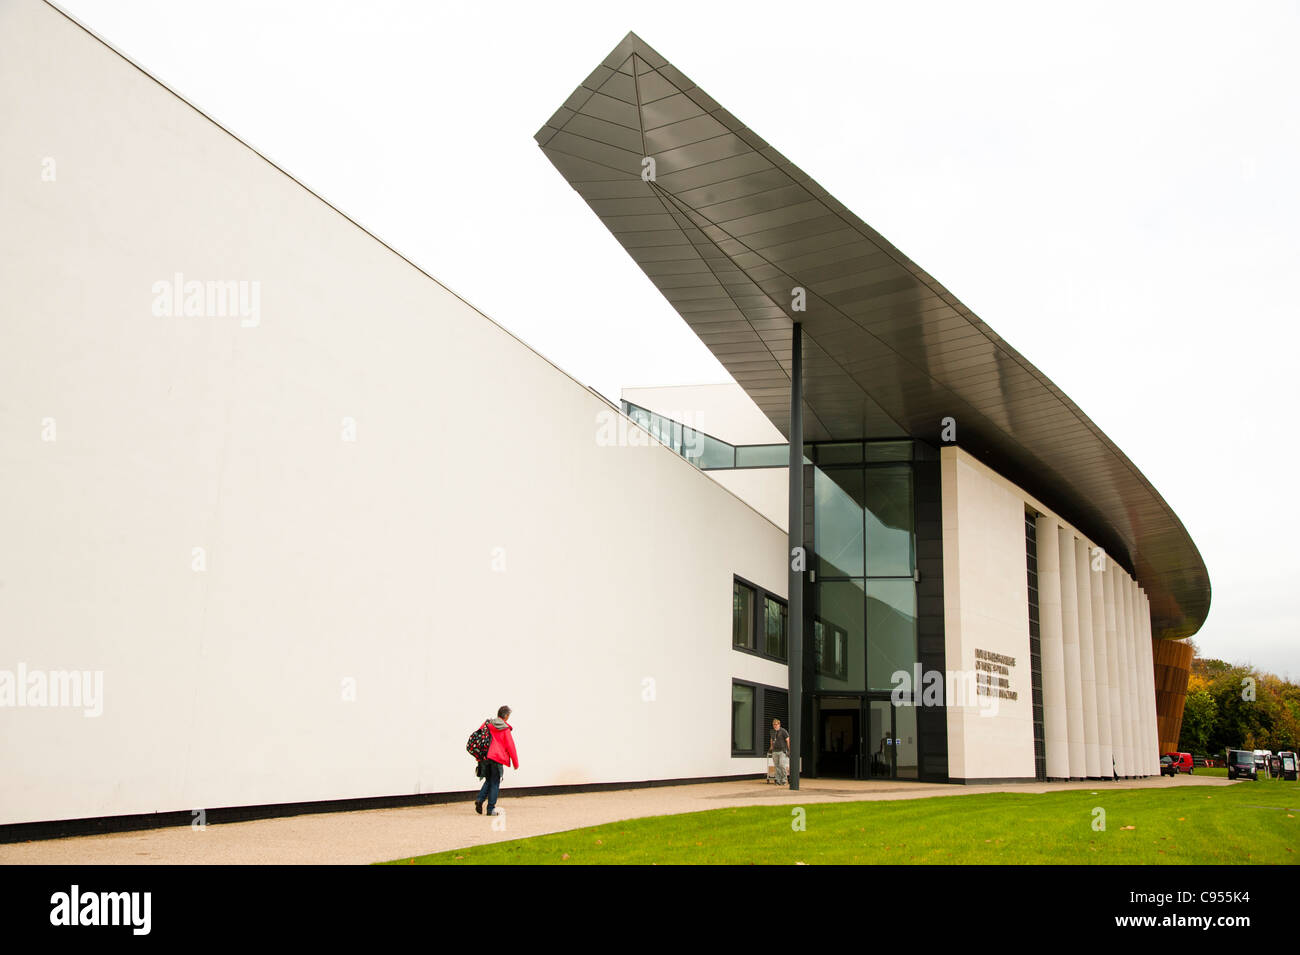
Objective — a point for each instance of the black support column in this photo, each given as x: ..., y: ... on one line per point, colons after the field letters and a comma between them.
x: 797, y: 556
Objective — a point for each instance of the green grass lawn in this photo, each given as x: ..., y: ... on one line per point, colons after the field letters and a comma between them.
x: 1249, y: 822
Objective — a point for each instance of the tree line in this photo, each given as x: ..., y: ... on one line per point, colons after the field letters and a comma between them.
x: 1238, y: 707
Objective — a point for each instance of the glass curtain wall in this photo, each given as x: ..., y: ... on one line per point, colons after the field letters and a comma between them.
x: 864, y: 598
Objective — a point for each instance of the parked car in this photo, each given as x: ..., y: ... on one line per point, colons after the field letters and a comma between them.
x: 1241, y: 764
x: 1261, y: 761
x: 1182, y: 762
x: 1290, y: 765
x: 1167, y: 765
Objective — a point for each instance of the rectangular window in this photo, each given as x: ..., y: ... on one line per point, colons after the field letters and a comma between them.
x: 830, y: 650
x: 839, y: 453
x: 889, y: 451
x: 840, y: 612
x: 639, y: 415
x: 742, y: 719
x: 742, y: 616
x: 763, y: 456
x: 889, y: 512
x: 776, y: 618
x: 1035, y: 645
x: 666, y: 431
x: 838, y: 518
x: 891, y: 631
x: 707, y: 452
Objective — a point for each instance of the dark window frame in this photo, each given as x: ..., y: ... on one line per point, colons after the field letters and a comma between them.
x: 762, y: 726
x: 755, y: 708
x: 737, y: 582
x: 838, y: 635
x: 757, y: 616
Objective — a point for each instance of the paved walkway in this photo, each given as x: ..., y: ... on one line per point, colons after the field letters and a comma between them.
x: 377, y: 835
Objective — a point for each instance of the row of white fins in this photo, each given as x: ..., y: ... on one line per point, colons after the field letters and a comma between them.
x: 1099, y: 695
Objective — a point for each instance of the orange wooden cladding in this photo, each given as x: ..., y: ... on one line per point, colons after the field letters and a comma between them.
x: 1173, y: 665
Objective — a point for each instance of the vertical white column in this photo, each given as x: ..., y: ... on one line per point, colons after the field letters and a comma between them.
x: 1121, y: 649
x: 1096, y: 592
x: 1052, y: 649
x: 1112, y: 665
x: 1073, y: 676
x: 1146, y: 682
x: 1133, y: 735
x: 1139, y: 662
x: 1153, y: 731
x: 1087, y: 662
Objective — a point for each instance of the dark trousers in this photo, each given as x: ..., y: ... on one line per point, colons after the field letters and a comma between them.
x: 491, y: 784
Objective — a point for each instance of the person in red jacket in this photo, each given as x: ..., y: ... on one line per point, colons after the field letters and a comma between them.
x: 501, y: 753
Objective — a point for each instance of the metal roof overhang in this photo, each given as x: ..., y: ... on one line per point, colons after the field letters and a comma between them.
x: 727, y: 227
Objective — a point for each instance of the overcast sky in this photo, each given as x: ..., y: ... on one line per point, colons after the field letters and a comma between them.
x: 1111, y: 187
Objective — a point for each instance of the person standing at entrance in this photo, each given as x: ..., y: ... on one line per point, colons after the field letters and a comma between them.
x: 501, y: 753
x: 780, y: 748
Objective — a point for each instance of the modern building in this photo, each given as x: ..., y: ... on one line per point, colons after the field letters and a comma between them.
x: 952, y: 513
x: 286, y: 518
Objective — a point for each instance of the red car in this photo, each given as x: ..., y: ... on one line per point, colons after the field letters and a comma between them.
x: 1180, y: 762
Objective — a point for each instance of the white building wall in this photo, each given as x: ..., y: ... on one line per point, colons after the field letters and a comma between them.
x: 1139, y: 696
x: 1101, y: 655
x: 1130, y: 675
x: 984, y: 563
x: 1114, y: 668
x: 986, y: 607
x: 389, y: 491
x: 1073, y: 667
x: 727, y: 413
x: 1056, y: 727
x: 766, y: 490
x: 1116, y: 610
x: 1152, y: 738
x: 1087, y: 660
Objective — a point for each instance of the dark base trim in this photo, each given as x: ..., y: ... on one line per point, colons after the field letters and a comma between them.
x: 994, y: 780
x: 99, y: 825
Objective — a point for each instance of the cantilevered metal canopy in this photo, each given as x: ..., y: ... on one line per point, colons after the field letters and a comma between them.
x: 726, y: 227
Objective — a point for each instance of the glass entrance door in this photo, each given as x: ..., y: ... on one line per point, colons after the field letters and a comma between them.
x: 881, y: 742
x: 860, y: 738
x: 891, y: 750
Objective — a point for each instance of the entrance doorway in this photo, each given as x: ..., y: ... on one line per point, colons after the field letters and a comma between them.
x: 861, y: 738
x: 839, y: 742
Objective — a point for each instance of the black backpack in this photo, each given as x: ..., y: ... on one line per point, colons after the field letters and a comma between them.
x: 479, y: 741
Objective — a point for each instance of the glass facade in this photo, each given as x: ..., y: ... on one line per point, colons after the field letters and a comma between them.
x: 763, y: 456
x: 864, y: 607
x: 862, y: 596
x: 841, y: 608
x: 864, y: 541
x: 705, y: 451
